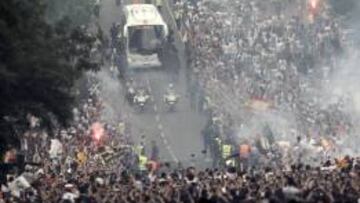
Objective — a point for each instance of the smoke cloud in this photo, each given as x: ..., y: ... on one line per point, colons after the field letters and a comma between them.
x: 111, y: 95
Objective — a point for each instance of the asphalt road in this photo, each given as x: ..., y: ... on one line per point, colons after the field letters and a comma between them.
x: 176, y: 133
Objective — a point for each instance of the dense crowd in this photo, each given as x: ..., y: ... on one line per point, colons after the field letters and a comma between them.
x: 90, y: 146
x: 300, y: 183
x: 265, y: 64
x: 248, y: 66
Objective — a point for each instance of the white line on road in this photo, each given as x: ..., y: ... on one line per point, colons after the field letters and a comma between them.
x: 173, y: 155
x: 148, y: 84
x: 160, y: 127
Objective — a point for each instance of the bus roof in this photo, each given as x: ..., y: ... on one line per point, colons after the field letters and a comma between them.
x: 142, y: 14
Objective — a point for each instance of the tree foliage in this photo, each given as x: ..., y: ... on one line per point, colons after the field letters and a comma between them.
x: 39, y: 65
x: 79, y: 11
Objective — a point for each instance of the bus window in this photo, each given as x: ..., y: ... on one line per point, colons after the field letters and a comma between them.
x: 145, y: 39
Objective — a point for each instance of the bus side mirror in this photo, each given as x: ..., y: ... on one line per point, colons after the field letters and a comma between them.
x: 125, y: 32
x: 166, y: 31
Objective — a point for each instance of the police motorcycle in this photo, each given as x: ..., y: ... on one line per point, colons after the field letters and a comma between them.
x: 141, y: 98
x: 171, y: 98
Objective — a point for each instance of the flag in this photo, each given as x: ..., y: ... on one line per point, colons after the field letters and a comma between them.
x: 258, y: 105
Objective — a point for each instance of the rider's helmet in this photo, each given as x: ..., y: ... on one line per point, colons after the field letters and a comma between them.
x: 131, y: 80
x: 171, y: 86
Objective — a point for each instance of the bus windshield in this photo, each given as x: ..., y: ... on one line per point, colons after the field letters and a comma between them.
x: 145, y: 40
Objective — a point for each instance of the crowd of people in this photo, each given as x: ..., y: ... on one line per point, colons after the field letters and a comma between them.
x: 300, y: 183
x: 90, y: 146
x: 254, y: 65
x: 264, y: 64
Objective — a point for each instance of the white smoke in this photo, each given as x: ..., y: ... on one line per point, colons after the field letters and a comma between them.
x: 282, y: 125
x: 343, y: 84
x: 111, y: 96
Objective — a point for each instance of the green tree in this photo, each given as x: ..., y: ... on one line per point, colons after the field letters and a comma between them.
x: 39, y: 65
x: 79, y: 11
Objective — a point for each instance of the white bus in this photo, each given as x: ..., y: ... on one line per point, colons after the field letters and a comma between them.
x: 143, y: 37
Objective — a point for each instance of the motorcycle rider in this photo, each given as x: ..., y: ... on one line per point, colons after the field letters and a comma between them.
x: 130, y: 90
x: 130, y: 83
x: 170, y: 97
x: 169, y: 92
x: 142, y: 96
x: 142, y: 89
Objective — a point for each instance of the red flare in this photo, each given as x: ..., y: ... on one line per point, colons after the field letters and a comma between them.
x: 97, y: 131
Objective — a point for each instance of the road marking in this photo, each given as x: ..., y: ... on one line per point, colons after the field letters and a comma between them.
x: 172, y: 154
x: 148, y: 83
x: 160, y: 127
x: 130, y: 114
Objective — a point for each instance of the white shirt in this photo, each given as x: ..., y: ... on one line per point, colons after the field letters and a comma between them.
x: 70, y: 196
